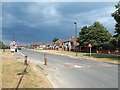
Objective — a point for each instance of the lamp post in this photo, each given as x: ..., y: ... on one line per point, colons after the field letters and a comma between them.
x: 76, y: 35
x: 14, y: 36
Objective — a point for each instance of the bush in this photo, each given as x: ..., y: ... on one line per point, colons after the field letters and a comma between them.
x: 110, y: 45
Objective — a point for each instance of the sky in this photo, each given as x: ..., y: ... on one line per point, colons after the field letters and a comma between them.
x: 43, y: 21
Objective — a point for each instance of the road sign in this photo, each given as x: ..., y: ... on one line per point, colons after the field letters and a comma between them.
x: 89, y: 45
x: 15, y: 44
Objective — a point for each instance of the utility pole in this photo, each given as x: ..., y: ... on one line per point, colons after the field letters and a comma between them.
x: 76, y: 35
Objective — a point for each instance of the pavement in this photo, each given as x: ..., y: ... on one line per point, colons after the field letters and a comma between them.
x: 68, y: 72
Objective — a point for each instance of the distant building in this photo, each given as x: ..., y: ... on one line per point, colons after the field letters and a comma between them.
x: 70, y: 44
x: 58, y: 44
x: 39, y: 45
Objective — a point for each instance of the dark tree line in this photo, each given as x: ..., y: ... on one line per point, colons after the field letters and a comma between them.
x: 116, y: 16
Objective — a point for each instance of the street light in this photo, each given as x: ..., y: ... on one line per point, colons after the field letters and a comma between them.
x: 14, y: 36
x: 76, y: 35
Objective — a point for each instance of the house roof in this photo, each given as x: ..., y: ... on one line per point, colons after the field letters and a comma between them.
x: 60, y: 40
x: 71, y: 39
x: 40, y: 43
x: 52, y: 43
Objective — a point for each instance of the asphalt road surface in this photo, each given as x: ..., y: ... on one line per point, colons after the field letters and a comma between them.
x: 67, y: 72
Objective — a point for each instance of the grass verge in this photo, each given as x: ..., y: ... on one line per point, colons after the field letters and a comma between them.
x: 12, y: 74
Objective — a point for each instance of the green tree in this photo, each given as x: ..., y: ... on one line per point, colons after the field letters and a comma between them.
x: 1, y: 45
x: 57, y: 43
x: 27, y: 46
x: 96, y: 34
x: 111, y: 44
x: 6, y: 47
x: 55, y: 39
x: 116, y: 16
x: 119, y: 42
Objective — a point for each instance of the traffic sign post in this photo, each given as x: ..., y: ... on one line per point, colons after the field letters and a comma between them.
x: 90, y: 51
x: 13, y: 46
x: 89, y: 45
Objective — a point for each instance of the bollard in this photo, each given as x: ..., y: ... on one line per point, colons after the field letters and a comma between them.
x: 25, y: 60
x: 45, y: 56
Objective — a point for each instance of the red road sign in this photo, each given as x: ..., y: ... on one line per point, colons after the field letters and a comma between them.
x: 89, y: 45
x: 15, y: 44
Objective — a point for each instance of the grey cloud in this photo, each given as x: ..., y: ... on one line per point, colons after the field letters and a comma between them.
x: 34, y: 22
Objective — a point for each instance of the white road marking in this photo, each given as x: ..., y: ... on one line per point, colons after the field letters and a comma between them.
x: 77, y: 66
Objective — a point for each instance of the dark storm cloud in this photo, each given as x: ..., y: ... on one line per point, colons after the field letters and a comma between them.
x: 41, y: 22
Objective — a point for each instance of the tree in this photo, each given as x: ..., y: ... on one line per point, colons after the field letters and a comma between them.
x: 110, y: 45
x: 119, y: 42
x: 96, y: 34
x: 57, y: 43
x: 116, y: 16
x: 55, y: 39
x: 1, y: 45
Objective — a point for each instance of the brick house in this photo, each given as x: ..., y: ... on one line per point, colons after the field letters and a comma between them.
x: 59, y: 46
x: 39, y: 45
x: 70, y: 44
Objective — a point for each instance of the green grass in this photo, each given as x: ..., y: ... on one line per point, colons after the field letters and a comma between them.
x: 41, y: 70
x: 29, y: 70
x: 8, y: 65
x: 9, y: 81
x: 34, y: 85
x: 102, y: 56
x: 18, y: 70
x: 20, y: 63
x: 24, y: 86
x: 6, y: 69
x: 6, y: 58
x: 71, y: 52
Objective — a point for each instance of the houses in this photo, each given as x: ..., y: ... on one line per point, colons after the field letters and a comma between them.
x: 39, y: 45
x: 70, y: 44
x: 58, y: 44
x: 65, y: 45
x: 61, y: 45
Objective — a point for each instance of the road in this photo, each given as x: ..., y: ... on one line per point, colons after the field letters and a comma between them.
x: 67, y: 72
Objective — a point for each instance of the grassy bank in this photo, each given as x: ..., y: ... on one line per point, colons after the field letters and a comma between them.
x: 13, y: 74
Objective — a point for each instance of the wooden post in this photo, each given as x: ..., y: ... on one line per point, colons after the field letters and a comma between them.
x: 45, y: 56
x: 25, y: 60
